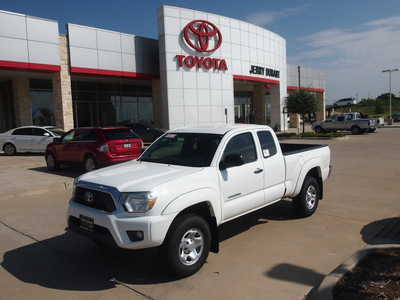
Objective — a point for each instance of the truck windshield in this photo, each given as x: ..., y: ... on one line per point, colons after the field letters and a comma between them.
x: 184, y: 149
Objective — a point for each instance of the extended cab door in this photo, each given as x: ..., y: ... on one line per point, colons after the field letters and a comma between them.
x: 242, y: 186
x: 274, y: 167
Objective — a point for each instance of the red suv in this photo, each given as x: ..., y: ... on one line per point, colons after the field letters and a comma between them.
x: 93, y: 146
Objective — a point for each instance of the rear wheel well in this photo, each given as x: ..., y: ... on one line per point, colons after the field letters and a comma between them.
x: 316, y: 173
x: 204, y: 210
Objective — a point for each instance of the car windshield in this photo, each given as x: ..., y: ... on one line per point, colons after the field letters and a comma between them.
x: 56, y: 131
x: 184, y: 149
x: 119, y: 134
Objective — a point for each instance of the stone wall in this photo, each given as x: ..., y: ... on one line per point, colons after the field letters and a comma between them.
x: 62, y: 90
x: 22, y: 101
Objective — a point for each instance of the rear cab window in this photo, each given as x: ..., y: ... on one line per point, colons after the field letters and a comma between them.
x: 267, y: 143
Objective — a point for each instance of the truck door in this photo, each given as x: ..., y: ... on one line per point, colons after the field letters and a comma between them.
x: 340, y: 123
x: 330, y: 124
x: 242, y: 187
x: 274, y: 167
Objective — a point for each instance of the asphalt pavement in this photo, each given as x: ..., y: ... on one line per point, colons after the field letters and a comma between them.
x: 269, y: 254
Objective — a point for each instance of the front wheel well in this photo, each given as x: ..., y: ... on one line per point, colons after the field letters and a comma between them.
x: 205, y: 211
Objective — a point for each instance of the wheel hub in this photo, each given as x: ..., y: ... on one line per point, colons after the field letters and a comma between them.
x: 191, y: 247
x: 311, y: 197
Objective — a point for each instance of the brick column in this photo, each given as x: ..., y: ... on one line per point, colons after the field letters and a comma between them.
x: 321, y: 114
x: 62, y: 90
x: 22, y: 101
x: 259, y: 104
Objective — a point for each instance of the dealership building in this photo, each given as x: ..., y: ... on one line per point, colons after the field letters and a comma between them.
x: 204, y: 69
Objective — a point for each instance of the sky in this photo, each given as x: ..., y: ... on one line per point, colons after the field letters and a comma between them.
x: 352, y: 41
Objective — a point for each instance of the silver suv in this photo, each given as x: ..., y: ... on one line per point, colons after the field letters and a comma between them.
x: 345, y: 102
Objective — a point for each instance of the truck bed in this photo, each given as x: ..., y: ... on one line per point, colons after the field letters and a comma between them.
x: 288, y: 149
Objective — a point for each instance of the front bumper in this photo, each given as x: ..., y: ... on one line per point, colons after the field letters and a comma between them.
x: 117, y: 229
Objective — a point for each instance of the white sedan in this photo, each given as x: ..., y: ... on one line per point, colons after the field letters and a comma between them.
x: 28, y: 139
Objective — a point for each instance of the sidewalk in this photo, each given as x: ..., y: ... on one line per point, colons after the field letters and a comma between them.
x: 26, y: 174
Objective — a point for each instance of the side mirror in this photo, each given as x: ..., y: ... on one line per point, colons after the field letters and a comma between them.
x: 56, y: 139
x: 46, y: 134
x: 231, y: 160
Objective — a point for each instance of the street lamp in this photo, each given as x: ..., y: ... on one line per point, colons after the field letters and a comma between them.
x: 390, y: 122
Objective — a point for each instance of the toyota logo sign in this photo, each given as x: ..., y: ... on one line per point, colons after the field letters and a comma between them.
x: 203, y: 36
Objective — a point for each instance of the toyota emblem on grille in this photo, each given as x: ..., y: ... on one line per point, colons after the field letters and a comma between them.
x: 89, y: 197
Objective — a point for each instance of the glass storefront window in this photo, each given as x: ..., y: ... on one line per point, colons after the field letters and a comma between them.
x: 244, y: 107
x: 42, y: 102
x: 116, y: 104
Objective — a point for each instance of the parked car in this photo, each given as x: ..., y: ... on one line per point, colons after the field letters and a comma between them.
x: 396, y: 117
x: 149, y: 133
x: 93, y: 146
x: 345, y: 102
x: 343, y: 123
x: 28, y: 139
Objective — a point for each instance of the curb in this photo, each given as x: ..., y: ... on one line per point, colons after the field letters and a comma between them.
x: 324, y: 290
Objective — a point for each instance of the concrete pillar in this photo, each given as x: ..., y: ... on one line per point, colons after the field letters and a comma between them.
x: 276, y: 107
x: 259, y: 104
x: 62, y: 90
x: 157, y: 104
x: 22, y: 101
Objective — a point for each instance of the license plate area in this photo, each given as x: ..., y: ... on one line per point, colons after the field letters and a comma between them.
x: 86, y: 223
x: 127, y: 145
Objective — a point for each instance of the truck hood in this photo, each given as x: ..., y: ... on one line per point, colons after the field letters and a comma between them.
x: 136, y: 176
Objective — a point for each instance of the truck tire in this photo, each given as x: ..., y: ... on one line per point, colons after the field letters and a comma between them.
x: 318, y: 129
x: 187, y: 245
x: 306, y: 202
x: 356, y: 130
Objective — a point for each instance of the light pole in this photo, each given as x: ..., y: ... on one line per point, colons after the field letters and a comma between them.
x: 390, y: 122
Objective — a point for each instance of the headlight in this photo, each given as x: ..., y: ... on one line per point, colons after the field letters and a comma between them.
x: 138, y: 202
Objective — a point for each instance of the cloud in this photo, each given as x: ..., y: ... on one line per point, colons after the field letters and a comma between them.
x: 263, y: 18
x: 353, y: 58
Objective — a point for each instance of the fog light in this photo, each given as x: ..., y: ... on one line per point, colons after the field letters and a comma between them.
x: 135, y: 236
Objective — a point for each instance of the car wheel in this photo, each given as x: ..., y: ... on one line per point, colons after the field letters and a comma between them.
x: 51, y: 162
x: 9, y: 149
x: 318, y: 129
x: 90, y: 163
x: 306, y: 202
x: 355, y: 130
x: 187, y: 245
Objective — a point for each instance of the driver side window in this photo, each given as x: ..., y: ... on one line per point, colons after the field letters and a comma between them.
x: 242, y: 144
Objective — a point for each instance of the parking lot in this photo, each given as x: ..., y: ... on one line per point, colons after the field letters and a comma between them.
x: 269, y: 254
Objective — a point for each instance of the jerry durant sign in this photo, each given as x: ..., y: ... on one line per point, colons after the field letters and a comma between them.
x: 264, y: 71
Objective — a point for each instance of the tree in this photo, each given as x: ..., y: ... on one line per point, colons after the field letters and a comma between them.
x: 302, y: 102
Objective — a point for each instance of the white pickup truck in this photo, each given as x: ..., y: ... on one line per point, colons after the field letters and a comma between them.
x: 189, y: 182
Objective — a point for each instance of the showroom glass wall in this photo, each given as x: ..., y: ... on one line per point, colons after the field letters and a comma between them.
x: 42, y: 102
x: 244, y: 112
x: 110, y: 104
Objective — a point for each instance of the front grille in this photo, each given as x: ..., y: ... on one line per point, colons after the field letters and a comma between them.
x: 100, y: 200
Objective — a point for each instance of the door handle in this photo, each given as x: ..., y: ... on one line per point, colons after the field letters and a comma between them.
x: 258, y: 170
